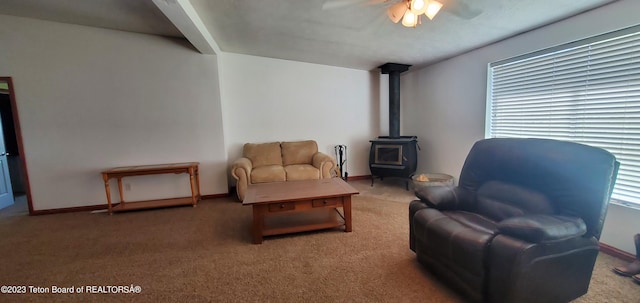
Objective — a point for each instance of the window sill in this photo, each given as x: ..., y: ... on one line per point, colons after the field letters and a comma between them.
x: 626, y: 204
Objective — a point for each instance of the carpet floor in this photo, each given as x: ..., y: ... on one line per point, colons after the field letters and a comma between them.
x: 204, y: 254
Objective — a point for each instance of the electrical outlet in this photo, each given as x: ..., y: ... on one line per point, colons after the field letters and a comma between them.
x: 127, y: 186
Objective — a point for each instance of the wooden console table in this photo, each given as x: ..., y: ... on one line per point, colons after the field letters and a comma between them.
x: 190, y: 168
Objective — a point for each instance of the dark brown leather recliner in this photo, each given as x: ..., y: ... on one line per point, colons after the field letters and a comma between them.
x: 522, y: 225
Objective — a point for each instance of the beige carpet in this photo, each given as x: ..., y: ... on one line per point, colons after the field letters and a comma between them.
x: 204, y: 254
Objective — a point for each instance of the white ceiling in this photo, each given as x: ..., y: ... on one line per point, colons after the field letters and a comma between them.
x: 355, y: 36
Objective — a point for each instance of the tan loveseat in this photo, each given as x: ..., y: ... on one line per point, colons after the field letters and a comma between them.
x: 280, y: 161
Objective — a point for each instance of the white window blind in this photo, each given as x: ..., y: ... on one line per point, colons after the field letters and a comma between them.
x: 587, y: 91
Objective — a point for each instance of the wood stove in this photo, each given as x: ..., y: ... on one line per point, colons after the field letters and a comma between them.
x: 394, y: 155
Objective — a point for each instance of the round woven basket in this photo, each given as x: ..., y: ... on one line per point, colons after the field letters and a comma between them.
x: 433, y: 180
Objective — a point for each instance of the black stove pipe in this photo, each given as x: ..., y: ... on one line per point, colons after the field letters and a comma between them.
x: 394, y: 70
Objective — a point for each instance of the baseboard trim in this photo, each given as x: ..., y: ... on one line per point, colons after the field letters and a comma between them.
x: 356, y: 178
x: 102, y: 206
x: 614, y: 252
x: 68, y: 210
x: 216, y: 196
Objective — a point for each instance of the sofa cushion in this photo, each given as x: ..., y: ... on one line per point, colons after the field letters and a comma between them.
x: 268, y: 173
x: 300, y: 152
x: 262, y: 154
x: 301, y: 172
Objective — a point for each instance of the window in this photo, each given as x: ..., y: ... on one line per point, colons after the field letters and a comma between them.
x: 586, y: 91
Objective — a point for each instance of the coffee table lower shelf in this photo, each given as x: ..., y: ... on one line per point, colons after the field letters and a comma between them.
x: 279, y: 224
x: 149, y: 204
x: 299, y: 206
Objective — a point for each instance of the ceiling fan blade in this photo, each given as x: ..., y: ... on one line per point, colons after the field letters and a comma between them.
x: 461, y: 9
x: 396, y: 11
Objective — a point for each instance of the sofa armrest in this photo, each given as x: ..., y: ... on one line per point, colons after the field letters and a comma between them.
x: 241, y: 167
x: 447, y: 197
x: 241, y: 171
x: 324, y: 163
x: 542, y: 228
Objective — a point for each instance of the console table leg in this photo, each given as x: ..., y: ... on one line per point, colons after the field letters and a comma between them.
x: 193, y: 188
x: 120, y: 192
x: 197, y: 182
x: 346, y: 207
x: 107, y: 189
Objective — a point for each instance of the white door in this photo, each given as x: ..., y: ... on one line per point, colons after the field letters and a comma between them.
x: 6, y: 193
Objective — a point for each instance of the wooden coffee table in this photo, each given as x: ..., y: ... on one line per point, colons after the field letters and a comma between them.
x: 297, y: 206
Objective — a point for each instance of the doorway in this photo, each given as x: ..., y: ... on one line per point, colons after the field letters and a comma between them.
x: 13, y: 153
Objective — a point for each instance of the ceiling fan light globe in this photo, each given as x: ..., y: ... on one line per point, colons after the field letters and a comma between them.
x: 418, y: 7
x: 410, y: 19
x: 433, y: 7
x: 396, y: 11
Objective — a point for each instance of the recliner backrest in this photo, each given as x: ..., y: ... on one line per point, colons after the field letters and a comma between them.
x: 514, y: 176
x: 500, y: 200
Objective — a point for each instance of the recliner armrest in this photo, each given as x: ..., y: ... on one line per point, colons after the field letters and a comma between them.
x: 445, y: 197
x: 542, y: 228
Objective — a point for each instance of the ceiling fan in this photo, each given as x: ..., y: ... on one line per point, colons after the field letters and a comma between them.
x: 411, y: 11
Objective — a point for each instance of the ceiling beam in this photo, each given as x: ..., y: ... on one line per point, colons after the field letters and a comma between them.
x: 184, y: 17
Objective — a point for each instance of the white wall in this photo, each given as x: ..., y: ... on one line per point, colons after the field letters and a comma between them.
x: 91, y: 99
x: 266, y: 100
x: 444, y: 104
